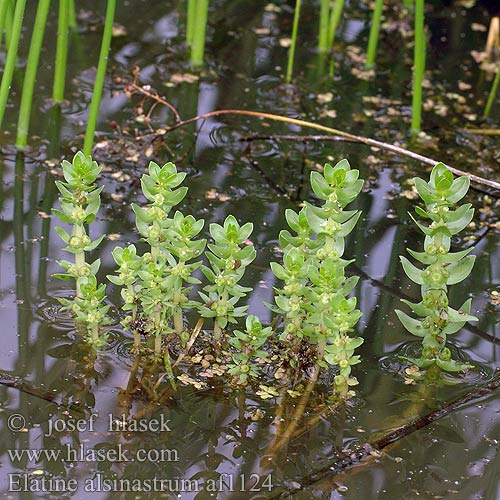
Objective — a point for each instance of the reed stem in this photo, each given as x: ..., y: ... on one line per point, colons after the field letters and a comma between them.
x: 418, y: 68
x: 324, y: 15
x: 191, y: 16
x: 61, y: 51
x: 10, y: 62
x: 199, y: 24
x: 3, y: 14
x: 336, y: 14
x: 99, y: 79
x: 291, y: 53
x: 9, y: 22
x: 72, y: 16
x: 371, y: 51
x: 30, y: 75
x: 492, y: 95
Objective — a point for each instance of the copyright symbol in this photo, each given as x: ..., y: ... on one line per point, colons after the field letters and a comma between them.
x: 16, y: 422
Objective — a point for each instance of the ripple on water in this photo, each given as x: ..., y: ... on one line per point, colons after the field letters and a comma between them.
x: 222, y: 135
x: 50, y: 311
x: 123, y: 347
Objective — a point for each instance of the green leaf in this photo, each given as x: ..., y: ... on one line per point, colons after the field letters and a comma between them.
x: 461, y: 316
x: 458, y: 271
x: 459, y: 219
x: 422, y: 257
x: 420, y: 362
x: 348, y: 226
x: 412, y: 325
x: 452, y: 366
x: 459, y: 189
x: 64, y: 277
x: 115, y: 280
x: 62, y: 234
x: 94, y: 244
x: 439, y: 170
x: 424, y: 191
x: 62, y: 216
x: 414, y: 273
x: 455, y: 256
x: 175, y: 197
x: 426, y: 230
x: 418, y: 308
x: 349, y: 193
x: 423, y: 213
x: 279, y: 271
x: 320, y: 185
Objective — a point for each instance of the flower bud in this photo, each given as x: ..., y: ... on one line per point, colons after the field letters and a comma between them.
x: 445, y: 354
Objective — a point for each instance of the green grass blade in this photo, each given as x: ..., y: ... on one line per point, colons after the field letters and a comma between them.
x: 30, y: 75
x: 10, y: 62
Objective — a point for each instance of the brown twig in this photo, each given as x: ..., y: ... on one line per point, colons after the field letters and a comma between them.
x: 349, y: 458
x: 482, y: 131
x: 339, y: 133
x: 134, y: 87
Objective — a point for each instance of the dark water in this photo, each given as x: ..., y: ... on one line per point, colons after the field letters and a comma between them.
x: 217, y: 443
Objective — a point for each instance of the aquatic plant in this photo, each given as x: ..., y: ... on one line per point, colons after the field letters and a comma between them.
x: 30, y: 75
x: 371, y: 51
x: 293, y: 44
x: 10, y: 62
x: 418, y: 68
x: 228, y: 263
x: 155, y: 295
x: 329, y: 19
x: 196, y: 27
x: 492, y: 94
x: 248, y: 353
x: 63, y: 20
x: 443, y: 268
x: 99, y: 77
x: 66, y: 18
x: 314, y: 299
x: 79, y: 203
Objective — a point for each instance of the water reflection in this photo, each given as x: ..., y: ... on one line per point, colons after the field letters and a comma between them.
x: 216, y: 433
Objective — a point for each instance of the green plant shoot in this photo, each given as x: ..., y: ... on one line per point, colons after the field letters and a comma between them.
x: 442, y: 268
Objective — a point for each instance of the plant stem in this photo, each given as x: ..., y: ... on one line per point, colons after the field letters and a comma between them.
x: 200, y: 16
x: 10, y: 62
x: 492, y: 95
x: 178, y: 321
x: 335, y: 16
x: 3, y: 14
x: 158, y: 343
x: 324, y: 13
x: 30, y: 75
x: 72, y: 16
x: 217, y: 331
x: 291, y: 53
x: 61, y: 51
x: 418, y: 68
x: 191, y: 16
x: 79, y: 257
x: 99, y: 79
x: 374, y: 34
x: 9, y: 22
